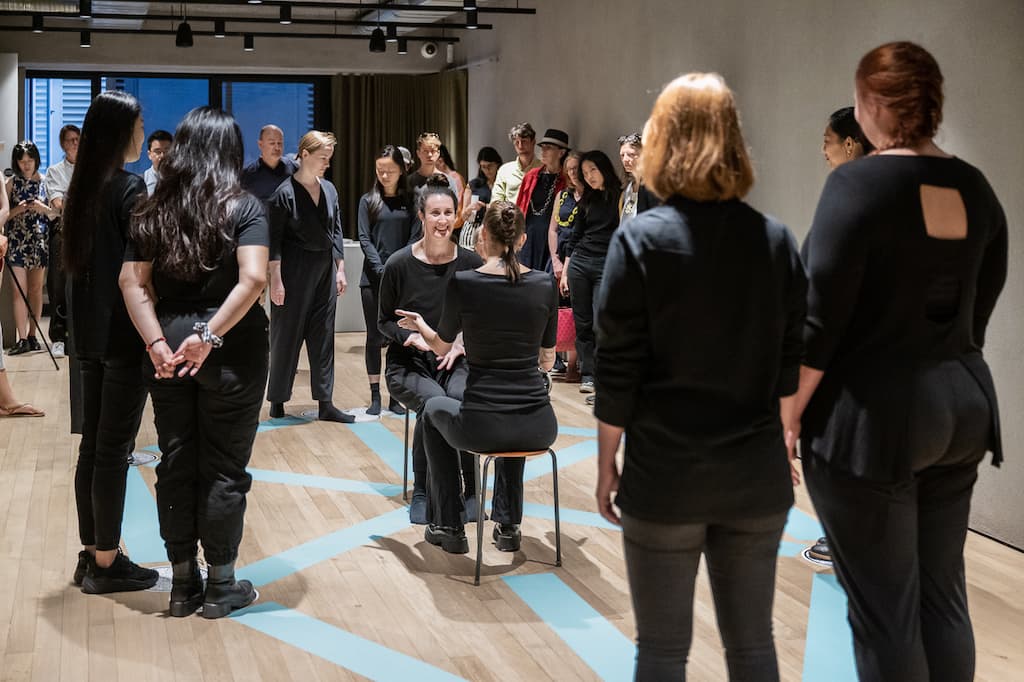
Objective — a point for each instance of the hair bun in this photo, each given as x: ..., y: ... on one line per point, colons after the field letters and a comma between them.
x: 508, y: 214
x: 437, y: 180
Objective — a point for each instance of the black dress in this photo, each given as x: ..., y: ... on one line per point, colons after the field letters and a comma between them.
x: 535, y: 252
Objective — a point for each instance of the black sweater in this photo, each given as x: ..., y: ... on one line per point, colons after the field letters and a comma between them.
x: 886, y: 300
x: 597, y: 219
x: 700, y: 317
x: 395, y: 226
x: 296, y: 221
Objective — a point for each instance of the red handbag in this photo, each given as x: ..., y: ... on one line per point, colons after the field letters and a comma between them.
x: 566, y: 338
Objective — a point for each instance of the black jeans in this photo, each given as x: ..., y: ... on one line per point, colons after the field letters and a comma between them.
x: 113, y: 396
x: 662, y: 561
x: 206, y: 426
x: 447, y: 429
x: 897, y: 547
x: 585, y: 276
x: 375, y: 341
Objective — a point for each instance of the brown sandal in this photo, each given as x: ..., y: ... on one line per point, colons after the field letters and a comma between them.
x: 22, y: 410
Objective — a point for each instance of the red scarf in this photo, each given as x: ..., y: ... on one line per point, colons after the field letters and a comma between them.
x: 530, y: 183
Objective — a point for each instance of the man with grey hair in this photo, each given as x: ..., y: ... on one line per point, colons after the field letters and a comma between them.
x: 510, y: 175
x: 265, y: 174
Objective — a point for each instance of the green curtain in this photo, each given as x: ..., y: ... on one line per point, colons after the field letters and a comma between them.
x: 370, y: 111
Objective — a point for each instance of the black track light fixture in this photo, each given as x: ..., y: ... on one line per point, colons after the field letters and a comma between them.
x: 377, y: 41
x: 471, y: 19
x: 85, y: 9
x: 286, y: 15
x: 84, y: 39
x: 468, y: 5
x: 219, y: 29
x: 392, y: 34
x: 37, y: 23
x: 248, y: 43
x: 183, y: 36
x: 403, y: 46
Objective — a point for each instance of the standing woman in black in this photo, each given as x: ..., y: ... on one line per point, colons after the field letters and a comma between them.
x: 597, y: 219
x: 387, y: 222
x: 509, y: 315
x: 97, y: 211
x: 415, y: 278
x: 192, y: 275
x: 307, y: 274
x: 906, y: 258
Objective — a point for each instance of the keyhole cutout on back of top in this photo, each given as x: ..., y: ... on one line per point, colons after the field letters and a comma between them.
x: 945, y: 216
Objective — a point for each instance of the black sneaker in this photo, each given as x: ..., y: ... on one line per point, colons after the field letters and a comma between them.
x: 820, y: 551
x: 507, y: 537
x: 451, y: 540
x: 20, y: 348
x: 33, y: 345
x: 81, y: 567
x: 559, y: 368
x: 418, y: 508
x: 395, y: 407
x: 121, y: 576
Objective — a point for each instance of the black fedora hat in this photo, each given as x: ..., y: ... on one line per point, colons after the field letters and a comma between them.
x: 559, y: 138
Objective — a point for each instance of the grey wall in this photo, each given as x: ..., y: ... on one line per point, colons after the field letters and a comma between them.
x: 594, y: 69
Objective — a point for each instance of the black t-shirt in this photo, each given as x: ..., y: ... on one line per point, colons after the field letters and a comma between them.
x: 504, y: 326
x: 395, y: 226
x: 597, y: 219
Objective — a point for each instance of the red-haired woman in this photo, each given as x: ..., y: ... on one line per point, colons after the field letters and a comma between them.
x: 906, y: 258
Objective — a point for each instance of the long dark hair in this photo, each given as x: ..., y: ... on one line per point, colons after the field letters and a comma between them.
x: 183, y: 228
x: 505, y: 223
x: 489, y: 154
x: 376, y: 192
x: 106, y: 133
x: 20, y: 150
x: 612, y: 184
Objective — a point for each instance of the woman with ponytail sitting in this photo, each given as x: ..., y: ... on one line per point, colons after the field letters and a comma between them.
x: 508, y: 315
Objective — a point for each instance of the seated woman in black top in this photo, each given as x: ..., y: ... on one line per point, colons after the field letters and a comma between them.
x: 200, y: 244
x: 509, y: 317
x: 700, y: 318
x: 415, y: 278
x: 906, y: 259
x: 387, y: 222
x: 98, y: 208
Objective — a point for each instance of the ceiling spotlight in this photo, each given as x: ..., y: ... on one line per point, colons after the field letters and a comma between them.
x: 37, y: 23
x: 218, y: 28
x: 248, y: 43
x: 255, y: 2
x: 84, y: 39
x: 85, y: 9
x: 468, y: 5
x: 183, y: 37
x: 286, y: 15
x: 403, y: 46
x: 392, y: 35
x: 471, y: 21
x: 377, y: 41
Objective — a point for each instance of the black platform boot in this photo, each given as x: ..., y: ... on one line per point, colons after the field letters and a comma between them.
x: 224, y: 594
x: 186, y: 589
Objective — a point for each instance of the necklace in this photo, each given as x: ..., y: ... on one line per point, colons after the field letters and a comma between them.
x: 547, y: 202
x: 572, y: 215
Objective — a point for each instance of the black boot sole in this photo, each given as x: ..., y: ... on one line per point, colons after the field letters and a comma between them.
x: 91, y: 586
x: 448, y: 543
x: 183, y: 609
x: 212, y: 611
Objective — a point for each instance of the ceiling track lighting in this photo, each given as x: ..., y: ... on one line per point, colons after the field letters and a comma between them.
x: 377, y: 41
x: 183, y: 36
x: 248, y: 43
x: 218, y: 28
x: 471, y: 19
x: 84, y: 39
x: 468, y: 5
x: 286, y: 15
x: 403, y: 46
x: 85, y: 9
x: 37, y: 23
x: 392, y: 34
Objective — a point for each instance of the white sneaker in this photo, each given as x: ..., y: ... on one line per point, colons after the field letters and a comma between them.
x: 58, y: 349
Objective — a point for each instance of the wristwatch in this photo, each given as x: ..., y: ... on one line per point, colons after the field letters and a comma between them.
x: 206, y: 335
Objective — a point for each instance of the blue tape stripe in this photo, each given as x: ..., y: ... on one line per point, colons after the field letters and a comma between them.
x: 802, y: 526
x: 828, y: 653
x: 140, y: 529
x: 325, y: 482
x: 601, y: 646
x: 582, y: 518
x: 280, y: 422
x: 383, y: 442
x: 290, y: 561
x: 338, y: 646
x: 541, y: 466
x: 576, y: 431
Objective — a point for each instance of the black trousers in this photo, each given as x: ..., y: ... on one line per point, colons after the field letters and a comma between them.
x: 206, y: 426
x: 447, y: 429
x: 413, y: 378
x: 307, y: 316
x: 897, y: 547
x: 56, y: 281
x: 375, y: 341
x: 585, y: 276
x: 113, y: 396
x: 662, y: 561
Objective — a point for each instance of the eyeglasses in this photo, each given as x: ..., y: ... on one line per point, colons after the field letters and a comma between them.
x: 633, y: 139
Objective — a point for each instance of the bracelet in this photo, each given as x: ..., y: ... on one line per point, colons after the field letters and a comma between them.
x: 149, y: 346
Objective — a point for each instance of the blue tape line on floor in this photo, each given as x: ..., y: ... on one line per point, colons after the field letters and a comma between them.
x: 140, y: 528
x: 576, y: 431
x: 596, y: 641
x: 338, y: 646
x: 828, y: 653
x: 292, y: 560
x: 541, y: 466
x: 802, y: 526
x: 582, y: 518
x: 280, y: 422
x: 325, y: 482
x: 388, y: 446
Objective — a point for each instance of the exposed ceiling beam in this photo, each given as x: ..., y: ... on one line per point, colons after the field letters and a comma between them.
x: 257, y: 34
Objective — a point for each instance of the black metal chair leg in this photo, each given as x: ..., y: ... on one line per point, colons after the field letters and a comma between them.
x: 558, y: 526
x: 481, y: 498
x: 405, y: 460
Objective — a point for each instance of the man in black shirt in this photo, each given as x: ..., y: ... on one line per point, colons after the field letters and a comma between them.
x: 265, y: 174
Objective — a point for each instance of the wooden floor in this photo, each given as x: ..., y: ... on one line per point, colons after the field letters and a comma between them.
x: 394, y: 590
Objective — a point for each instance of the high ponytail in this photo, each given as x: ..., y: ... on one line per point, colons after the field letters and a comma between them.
x: 505, y: 224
